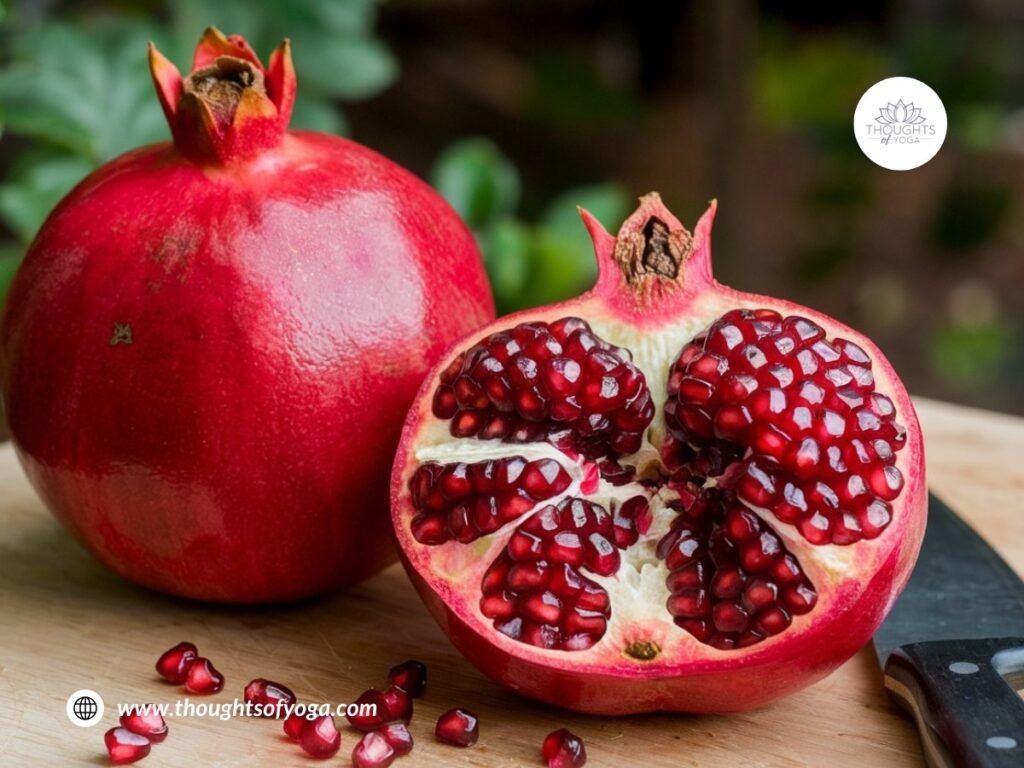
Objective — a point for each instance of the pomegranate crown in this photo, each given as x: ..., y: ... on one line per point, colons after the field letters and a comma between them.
x: 654, y: 260
x: 229, y: 107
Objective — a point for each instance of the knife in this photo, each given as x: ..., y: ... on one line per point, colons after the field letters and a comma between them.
x: 953, y: 649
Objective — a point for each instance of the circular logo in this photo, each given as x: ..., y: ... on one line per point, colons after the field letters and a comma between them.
x: 85, y: 708
x: 900, y: 123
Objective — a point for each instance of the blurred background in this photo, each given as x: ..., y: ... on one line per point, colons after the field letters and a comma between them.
x: 517, y: 111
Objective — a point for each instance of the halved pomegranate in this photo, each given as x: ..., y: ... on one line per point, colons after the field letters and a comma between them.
x: 665, y: 494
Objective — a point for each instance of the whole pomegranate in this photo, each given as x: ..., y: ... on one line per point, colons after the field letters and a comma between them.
x: 211, y: 345
x: 663, y: 495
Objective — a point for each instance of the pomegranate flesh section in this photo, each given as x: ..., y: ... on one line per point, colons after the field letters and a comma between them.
x: 799, y: 414
x: 540, y: 380
x: 781, y: 418
x: 590, y: 496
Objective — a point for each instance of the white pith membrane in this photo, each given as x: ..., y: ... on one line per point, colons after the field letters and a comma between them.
x: 640, y: 630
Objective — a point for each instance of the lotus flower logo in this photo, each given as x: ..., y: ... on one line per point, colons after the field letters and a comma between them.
x: 899, y: 123
x: 899, y: 113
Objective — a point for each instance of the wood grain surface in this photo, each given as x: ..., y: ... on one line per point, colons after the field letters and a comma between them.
x: 66, y: 623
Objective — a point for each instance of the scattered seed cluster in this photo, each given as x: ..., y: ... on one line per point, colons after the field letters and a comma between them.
x: 385, y: 734
x: 540, y: 381
x: 138, y: 731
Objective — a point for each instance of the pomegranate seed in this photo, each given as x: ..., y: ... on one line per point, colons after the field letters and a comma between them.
x: 465, y: 501
x: 320, y: 738
x: 731, y: 580
x: 125, y: 747
x: 269, y: 696
x: 457, y: 727
x: 373, y: 751
x: 173, y: 664
x: 535, y: 591
x: 376, y: 708
x: 807, y: 411
x: 411, y: 676
x: 540, y: 379
x: 398, y: 736
x: 562, y: 749
x: 203, y: 678
x: 397, y: 704
x: 146, y: 722
x: 293, y: 725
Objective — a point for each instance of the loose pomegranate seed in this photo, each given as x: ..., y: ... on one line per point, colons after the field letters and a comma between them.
x: 466, y: 501
x: 398, y: 736
x: 397, y: 704
x: 562, y: 749
x: 203, y: 678
x: 537, y: 379
x: 458, y: 727
x: 146, y: 722
x: 392, y: 705
x: 293, y: 725
x: 373, y: 751
x: 173, y: 664
x: 822, y: 442
x: 125, y: 747
x: 410, y: 676
x: 269, y: 696
x: 320, y: 738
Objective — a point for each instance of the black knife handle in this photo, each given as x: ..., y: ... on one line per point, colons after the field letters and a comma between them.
x: 963, y: 696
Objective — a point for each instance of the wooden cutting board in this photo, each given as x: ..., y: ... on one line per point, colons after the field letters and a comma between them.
x: 66, y: 623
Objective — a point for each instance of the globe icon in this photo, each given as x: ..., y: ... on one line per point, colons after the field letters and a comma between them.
x: 85, y: 708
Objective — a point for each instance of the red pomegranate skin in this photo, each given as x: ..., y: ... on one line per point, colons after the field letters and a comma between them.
x: 206, y: 364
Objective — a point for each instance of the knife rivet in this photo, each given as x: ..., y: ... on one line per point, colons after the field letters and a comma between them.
x: 1001, y: 742
x: 963, y: 667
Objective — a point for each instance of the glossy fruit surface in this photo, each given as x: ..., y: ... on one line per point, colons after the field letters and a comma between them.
x: 209, y: 349
x: 665, y: 494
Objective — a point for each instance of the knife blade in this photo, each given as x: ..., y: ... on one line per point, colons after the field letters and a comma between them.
x: 952, y: 649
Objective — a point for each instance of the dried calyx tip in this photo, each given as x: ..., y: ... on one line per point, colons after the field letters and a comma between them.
x: 221, y: 85
x: 652, y: 242
x: 230, y: 107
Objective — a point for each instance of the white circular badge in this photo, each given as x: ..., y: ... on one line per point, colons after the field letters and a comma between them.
x: 85, y: 708
x: 900, y: 123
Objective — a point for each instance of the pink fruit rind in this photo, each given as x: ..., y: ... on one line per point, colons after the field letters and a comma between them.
x: 205, y: 354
